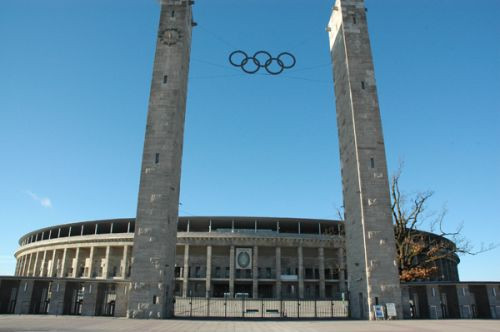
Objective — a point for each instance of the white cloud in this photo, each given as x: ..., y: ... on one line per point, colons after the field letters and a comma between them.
x: 44, y: 201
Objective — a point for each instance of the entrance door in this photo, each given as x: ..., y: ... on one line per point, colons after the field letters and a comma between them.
x: 482, y: 306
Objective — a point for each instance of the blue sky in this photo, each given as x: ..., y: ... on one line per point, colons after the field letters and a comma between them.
x: 74, y: 89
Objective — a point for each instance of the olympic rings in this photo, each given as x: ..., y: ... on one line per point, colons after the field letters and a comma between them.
x: 258, y: 62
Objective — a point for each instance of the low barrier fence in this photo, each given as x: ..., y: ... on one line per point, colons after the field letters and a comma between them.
x: 259, y: 308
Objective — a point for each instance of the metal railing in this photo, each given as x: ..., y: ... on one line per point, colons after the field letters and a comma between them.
x: 190, y: 307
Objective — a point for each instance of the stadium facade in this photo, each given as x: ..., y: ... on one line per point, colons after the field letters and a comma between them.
x: 160, y: 266
x: 84, y: 269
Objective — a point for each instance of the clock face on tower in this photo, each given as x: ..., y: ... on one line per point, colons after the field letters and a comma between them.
x: 170, y: 37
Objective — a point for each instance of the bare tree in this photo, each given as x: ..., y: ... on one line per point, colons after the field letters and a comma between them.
x: 419, y: 252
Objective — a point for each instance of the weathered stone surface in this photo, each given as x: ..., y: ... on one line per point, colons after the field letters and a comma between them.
x: 157, y: 212
x: 24, y: 296
x: 370, y: 248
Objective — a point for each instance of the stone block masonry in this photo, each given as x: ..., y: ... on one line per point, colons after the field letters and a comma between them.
x: 153, y: 257
x: 370, y: 247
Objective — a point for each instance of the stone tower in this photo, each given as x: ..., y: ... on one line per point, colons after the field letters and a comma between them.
x: 153, y: 260
x: 370, y: 248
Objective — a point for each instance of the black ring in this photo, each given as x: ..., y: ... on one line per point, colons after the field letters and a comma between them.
x: 258, y: 64
x: 243, y: 62
x: 269, y: 62
x: 257, y: 61
x: 291, y: 56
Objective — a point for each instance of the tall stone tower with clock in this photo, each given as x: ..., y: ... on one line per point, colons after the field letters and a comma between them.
x: 373, y: 276
x: 153, y: 260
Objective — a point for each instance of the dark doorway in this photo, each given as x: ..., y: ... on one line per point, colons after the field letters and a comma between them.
x: 240, y: 288
x: 419, y: 306
x: 449, y: 301
x: 106, y: 300
x: 110, y: 308
x: 220, y: 289
x: 41, y: 297
x: 8, y: 295
x: 73, y: 298
x: 265, y: 291
x: 482, y: 307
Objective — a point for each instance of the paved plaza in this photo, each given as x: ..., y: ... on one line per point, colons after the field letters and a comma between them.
x: 97, y: 324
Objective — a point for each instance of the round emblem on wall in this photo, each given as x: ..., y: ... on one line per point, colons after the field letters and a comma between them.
x: 243, y: 259
x: 170, y: 37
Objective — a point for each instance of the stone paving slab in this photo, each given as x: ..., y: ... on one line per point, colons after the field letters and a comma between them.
x: 33, y: 323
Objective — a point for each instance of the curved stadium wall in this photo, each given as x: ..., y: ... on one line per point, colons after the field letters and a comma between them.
x: 261, y: 257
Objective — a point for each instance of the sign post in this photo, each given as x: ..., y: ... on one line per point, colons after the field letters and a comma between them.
x: 391, y: 310
x: 379, y: 312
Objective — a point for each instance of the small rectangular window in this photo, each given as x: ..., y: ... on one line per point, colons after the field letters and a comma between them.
x: 494, y: 292
x: 463, y: 291
x: 433, y: 291
x: 165, y: 79
x: 363, y: 85
x: 172, y: 14
x: 155, y: 299
x: 157, y: 158
x: 197, y: 272
x: 354, y: 19
x: 372, y: 163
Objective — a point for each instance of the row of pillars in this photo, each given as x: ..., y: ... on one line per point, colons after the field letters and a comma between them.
x: 37, y: 264
x: 255, y: 284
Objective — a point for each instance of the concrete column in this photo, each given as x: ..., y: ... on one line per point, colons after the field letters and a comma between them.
x: 23, y: 300
x: 434, y: 301
x: 35, y: 265
x: 43, y: 266
x: 255, y: 276
x: 34, y: 257
x: 125, y: 262
x: 91, y: 266
x: 492, y: 291
x: 342, y: 286
x: 25, y: 262
x: 75, y: 263
x: 278, y: 272
x: 231, y: 271
x: 301, y: 271
x: 321, y: 256
x: 57, y: 298
x: 18, y: 263
x: 185, y: 277
x: 405, y: 296
x: 208, y: 278
x: 19, y: 266
x: 28, y: 265
x: 105, y: 272
x: 63, y: 263
x: 54, y: 263
x: 121, y: 299
x: 34, y: 262
x: 30, y: 260
x: 90, y: 299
